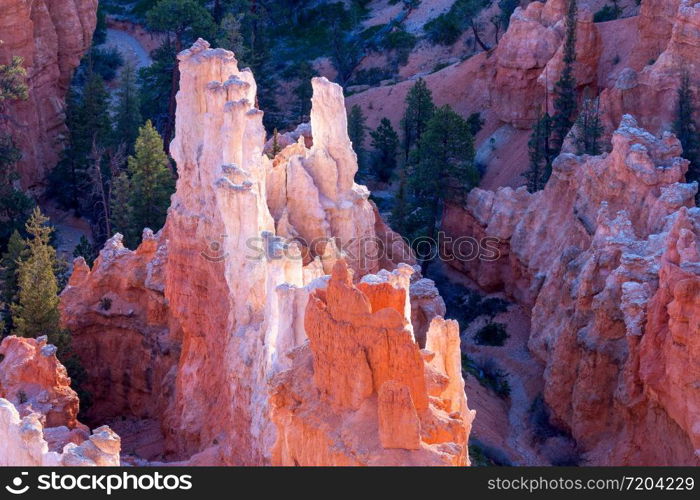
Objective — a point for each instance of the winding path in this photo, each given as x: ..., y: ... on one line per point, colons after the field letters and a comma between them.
x: 130, y: 48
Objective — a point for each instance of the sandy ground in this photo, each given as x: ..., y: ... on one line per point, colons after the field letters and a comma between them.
x: 130, y: 48
x: 69, y: 229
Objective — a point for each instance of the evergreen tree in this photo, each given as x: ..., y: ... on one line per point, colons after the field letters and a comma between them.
x: 8, y: 274
x: 231, y: 37
x: 13, y: 86
x: 276, y: 148
x: 86, y: 250
x: 36, y: 311
x: 121, y: 211
x: 445, y: 172
x: 686, y: 129
x: 419, y: 110
x: 89, y: 124
x: 182, y: 21
x: 15, y: 206
x: 150, y: 185
x: 565, y: 103
x: 356, y: 132
x: 385, y: 142
x: 401, y: 208
x: 541, y: 154
x: 127, y: 116
x: 589, y: 129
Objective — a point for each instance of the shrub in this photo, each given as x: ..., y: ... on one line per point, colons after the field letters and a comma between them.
x: 493, y: 334
x: 444, y: 30
x: 488, y: 374
x: 607, y: 13
x: 483, y: 455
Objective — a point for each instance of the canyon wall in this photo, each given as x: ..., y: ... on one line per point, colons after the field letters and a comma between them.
x: 192, y: 326
x: 608, y: 258
x: 38, y: 412
x: 51, y: 37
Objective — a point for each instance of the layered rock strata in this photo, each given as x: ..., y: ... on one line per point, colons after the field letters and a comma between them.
x: 608, y: 257
x: 191, y: 327
x: 38, y: 412
x: 51, y: 37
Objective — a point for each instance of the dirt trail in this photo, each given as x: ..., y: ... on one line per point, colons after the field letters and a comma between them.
x: 129, y: 47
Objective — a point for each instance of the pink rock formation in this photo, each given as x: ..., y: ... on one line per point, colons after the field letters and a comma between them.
x: 51, y: 36
x: 608, y: 256
x: 670, y: 31
x: 38, y: 411
x: 190, y: 327
x: 361, y: 391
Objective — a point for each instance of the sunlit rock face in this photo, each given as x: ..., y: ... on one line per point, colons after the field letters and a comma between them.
x: 608, y: 257
x: 51, y: 36
x: 38, y: 411
x: 361, y: 391
x: 203, y: 315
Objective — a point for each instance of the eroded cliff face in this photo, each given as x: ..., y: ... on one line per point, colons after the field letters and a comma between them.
x: 608, y: 257
x: 51, y: 36
x: 191, y: 327
x: 38, y: 410
x: 362, y: 391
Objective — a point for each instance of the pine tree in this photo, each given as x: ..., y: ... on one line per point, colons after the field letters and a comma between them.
x: 276, y: 148
x: 8, y: 274
x: 356, y: 132
x: 13, y: 86
x: 445, y: 172
x: 15, y: 206
x: 565, y: 103
x: 127, y: 116
x: 151, y: 181
x: 385, y: 142
x: 89, y: 124
x: 589, y: 129
x: 541, y: 155
x: 419, y: 109
x: 121, y: 211
x: 686, y: 129
x: 86, y: 250
x: 36, y: 311
x: 182, y: 21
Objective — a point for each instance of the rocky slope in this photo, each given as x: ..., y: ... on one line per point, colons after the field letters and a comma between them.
x: 38, y: 411
x: 191, y: 327
x: 635, y: 64
x: 51, y: 36
x: 608, y: 258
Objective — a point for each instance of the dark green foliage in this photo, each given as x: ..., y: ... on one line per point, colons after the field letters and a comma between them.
x: 127, y: 114
x: 544, y: 428
x: 442, y: 171
x: 565, y: 102
x: 357, y: 131
x: 15, y: 206
x: 493, y: 334
x: 9, y: 267
x: 100, y: 35
x: 89, y: 125
x: 476, y: 123
x: 482, y: 455
x: 488, y: 374
x: 35, y: 312
x: 686, y: 129
x: 447, y: 28
x: 541, y: 155
x: 419, y: 110
x: 371, y: 76
x: 608, y: 13
x: 401, y: 42
x: 507, y: 8
x: 105, y: 62
x: 589, y: 129
x: 85, y: 250
x: 13, y: 84
x: 155, y: 85
x: 147, y: 186
x: 385, y: 143
x: 185, y: 20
